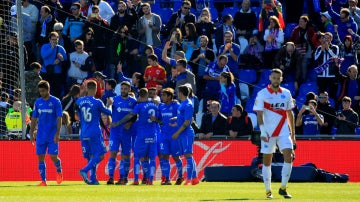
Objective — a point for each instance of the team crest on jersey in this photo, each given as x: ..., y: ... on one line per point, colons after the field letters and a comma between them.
x: 157, y: 71
x: 50, y: 104
x: 283, y: 96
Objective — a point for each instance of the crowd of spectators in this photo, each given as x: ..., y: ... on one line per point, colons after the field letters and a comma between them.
x: 68, y: 43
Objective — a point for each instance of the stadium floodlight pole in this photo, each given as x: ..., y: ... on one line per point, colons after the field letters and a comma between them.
x: 21, y: 66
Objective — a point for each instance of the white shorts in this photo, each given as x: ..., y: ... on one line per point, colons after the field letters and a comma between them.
x: 283, y: 142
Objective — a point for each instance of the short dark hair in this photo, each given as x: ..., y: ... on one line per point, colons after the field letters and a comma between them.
x: 111, y: 82
x: 168, y: 92
x: 277, y: 70
x: 35, y: 65
x: 346, y: 99
x: 186, y: 2
x: 181, y: 62
x: 239, y: 108
x: 77, y: 4
x: 43, y: 84
x: 4, y: 96
x: 153, y: 57
x: 313, y: 102
x: 46, y: 9
x: 143, y: 92
x: 91, y: 85
x: 184, y: 90
x: 125, y: 83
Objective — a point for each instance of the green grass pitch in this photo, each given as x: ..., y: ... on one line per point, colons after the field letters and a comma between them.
x: 205, y: 191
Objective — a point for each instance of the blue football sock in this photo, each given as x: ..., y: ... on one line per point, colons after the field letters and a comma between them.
x: 189, y: 167
x: 92, y: 163
x: 92, y: 172
x: 194, y: 174
x: 122, y: 169
x: 145, y: 167
x: 161, y: 162
x: 179, y: 167
x: 126, y: 167
x: 166, y: 169
x: 111, y: 167
x: 136, y: 168
x: 58, y: 166
x: 152, y: 169
x: 42, y: 170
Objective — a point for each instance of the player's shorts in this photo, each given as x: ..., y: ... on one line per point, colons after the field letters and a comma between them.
x: 283, y: 142
x: 93, y: 146
x: 186, y: 144
x: 145, y: 147
x: 166, y: 145
x: 120, y: 137
x: 51, y: 147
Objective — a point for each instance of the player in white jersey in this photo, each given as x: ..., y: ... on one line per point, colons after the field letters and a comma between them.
x: 274, y: 105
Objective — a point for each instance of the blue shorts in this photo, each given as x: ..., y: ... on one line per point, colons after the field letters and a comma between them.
x: 120, y: 137
x: 51, y: 147
x: 93, y: 146
x: 166, y: 146
x: 145, y: 147
x: 186, y: 144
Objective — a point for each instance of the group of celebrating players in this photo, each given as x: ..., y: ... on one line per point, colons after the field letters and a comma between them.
x: 141, y: 125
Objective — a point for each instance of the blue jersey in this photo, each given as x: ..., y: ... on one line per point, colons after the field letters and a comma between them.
x: 185, y: 112
x: 233, y: 65
x: 122, y: 107
x: 214, y: 71
x: 47, y: 112
x: 227, y: 98
x: 310, y: 124
x: 168, y: 111
x: 89, y: 111
x: 146, y: 127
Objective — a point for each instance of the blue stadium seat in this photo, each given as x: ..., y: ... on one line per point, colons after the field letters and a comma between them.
x: 247, y: 75
x: 229, y: 10
x: 332, y: 102
x: 290, y: 86
x: 288, y: 29
x: 177, y: 5
x: 311, y: 76
x: 249, y: 105
x: 307, y: 87
x: 257, y: 10
x: 257, y: 88
x: 300, y: 101
x: 244, y: 91
x: 264, y: 77
x: 214, y: 14
x: 164, y: 13
x: 357, y: 130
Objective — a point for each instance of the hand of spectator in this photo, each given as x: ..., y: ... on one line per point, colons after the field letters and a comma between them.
x: 60, y: 56
x: 167, y: 45
x: 109, y: 101
x: 351, y: 31
x: 202, y: 55
x: 177, y: 21
x: 352, y: 9
x: 328, y: 2
x: 129, y: 4
x: 119, y: 67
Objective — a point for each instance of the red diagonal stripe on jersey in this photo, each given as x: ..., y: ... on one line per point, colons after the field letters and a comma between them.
x: 282, y: 113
